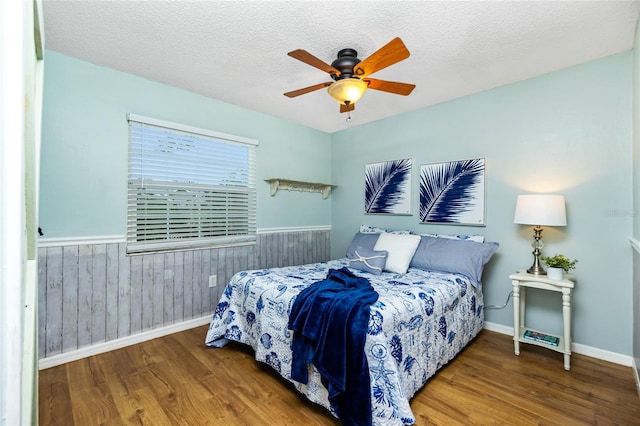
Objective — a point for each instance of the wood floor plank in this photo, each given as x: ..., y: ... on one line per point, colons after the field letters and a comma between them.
x: 91, y: 401
x: 139, y: 406
x: 540, y: 382
x: 176, y: 379
x: 510, y: 389
x: 224, y: 383
x: 54, y: 399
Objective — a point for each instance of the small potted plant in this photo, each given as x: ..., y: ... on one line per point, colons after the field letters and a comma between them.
x: 558, y: 265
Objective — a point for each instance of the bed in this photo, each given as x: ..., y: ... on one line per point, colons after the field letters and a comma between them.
x: 423, y: 317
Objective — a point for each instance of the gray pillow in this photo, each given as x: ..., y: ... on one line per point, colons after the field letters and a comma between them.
x: 368, y: 260
x: 458, y: 256
x: 363, y: 240
x: 476, y: 238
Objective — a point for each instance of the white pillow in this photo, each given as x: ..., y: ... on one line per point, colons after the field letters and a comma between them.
x: 401, y: 248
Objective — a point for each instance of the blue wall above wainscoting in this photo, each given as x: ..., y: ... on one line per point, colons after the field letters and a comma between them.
x: 567, y: 132
x: 83, y: 188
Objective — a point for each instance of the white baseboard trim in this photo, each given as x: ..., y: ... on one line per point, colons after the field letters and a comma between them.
x: 578, y: 348
x: 111, y: 345
x: 99, y: 348
x: 498, y: 328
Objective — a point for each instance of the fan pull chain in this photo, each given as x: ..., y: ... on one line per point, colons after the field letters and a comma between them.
x: 348, y: 116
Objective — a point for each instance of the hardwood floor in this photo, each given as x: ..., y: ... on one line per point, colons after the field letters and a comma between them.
x: 176, y: 380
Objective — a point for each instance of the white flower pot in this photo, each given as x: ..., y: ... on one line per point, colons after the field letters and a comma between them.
x: 555, y: 273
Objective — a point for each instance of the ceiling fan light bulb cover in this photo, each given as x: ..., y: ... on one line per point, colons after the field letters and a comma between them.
x: 348, y: 89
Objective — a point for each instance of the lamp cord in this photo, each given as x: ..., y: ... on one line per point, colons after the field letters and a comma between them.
x: 498, y: 306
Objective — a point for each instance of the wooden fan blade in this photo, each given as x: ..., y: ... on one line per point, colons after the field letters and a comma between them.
x: 389, y: 54
x: 345, y: 108
x: 309, y: 59
x: 390, y: 86
x: 299, y: 92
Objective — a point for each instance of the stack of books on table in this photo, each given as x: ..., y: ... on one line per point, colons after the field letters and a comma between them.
x: 541, y: 337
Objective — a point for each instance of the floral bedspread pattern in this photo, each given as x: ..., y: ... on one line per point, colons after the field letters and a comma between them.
x: 421, y: 320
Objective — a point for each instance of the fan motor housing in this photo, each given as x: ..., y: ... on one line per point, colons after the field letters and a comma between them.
x: 347, y: 59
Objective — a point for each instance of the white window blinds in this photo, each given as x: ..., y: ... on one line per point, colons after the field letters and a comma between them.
x: 188, y: 187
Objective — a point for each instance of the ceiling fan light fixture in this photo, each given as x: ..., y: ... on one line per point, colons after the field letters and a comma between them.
x: 347, y: 90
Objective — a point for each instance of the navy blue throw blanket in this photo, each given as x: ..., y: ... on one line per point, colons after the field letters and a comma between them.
x: 330, y: 320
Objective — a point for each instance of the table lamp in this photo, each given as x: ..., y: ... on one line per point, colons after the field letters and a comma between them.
x: 539, y: 210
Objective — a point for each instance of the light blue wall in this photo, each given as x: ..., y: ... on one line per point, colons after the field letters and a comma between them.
x: 568, y: 132
x: 84, y: 149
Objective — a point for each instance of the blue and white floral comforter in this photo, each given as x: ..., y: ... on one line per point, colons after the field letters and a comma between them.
x: 421, y: 320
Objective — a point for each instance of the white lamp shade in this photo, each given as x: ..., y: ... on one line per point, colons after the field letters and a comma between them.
x: 541, y: 209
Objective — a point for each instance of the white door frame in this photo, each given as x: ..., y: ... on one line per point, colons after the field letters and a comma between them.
x: 21, y: 68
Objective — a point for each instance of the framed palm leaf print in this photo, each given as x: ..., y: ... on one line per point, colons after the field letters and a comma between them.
x: 387, y: 187
x: 453, y: 192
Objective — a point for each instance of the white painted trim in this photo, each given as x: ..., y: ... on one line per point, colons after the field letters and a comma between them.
x: 634, y: 367
x: 111, y: 345
x: 577, y: 348
x: 614, y: 357
x: 45, y: 242
x: 30, y: 341
x: 77, y: 241
x: 99, y: 348
x: 14, y: 23
x: 635, y: 243
x: 190, y: 129
x: 498, y: 328
x: 294, y: 229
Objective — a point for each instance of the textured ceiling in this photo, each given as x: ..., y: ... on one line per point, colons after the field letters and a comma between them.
x: 236, y: 51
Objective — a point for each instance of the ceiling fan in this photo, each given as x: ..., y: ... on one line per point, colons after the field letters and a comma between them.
x: 351, y: 75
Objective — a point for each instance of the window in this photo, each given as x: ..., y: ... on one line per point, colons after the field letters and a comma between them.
x: 188, y: 187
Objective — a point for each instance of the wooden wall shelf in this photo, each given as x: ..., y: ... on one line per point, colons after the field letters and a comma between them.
x: 299, y: 185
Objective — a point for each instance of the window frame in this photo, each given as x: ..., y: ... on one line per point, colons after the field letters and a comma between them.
x: 208, y: 197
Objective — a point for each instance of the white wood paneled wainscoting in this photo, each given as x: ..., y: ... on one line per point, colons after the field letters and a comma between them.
x: 94, y: 298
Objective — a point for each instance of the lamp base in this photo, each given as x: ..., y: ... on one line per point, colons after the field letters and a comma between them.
x: 536, y: 269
